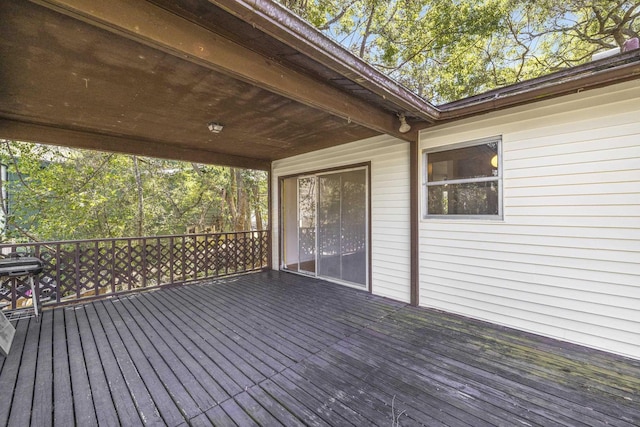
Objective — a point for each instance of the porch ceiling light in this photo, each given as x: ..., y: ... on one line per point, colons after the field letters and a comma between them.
x: 404, y: 126
x: 215, y: 127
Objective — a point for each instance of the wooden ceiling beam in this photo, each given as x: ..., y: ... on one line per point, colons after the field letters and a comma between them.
x: 272, y: 18
x: 46, y: 134
x: 153, y: 26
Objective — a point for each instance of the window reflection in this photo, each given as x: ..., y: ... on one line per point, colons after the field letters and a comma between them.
x: 464, y: 181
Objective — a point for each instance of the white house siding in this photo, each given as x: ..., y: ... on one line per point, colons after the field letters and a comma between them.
x: 390, y: 240
x: 565, y: 260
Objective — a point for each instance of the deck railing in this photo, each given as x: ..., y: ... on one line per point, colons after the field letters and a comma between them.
x: 86, y: 269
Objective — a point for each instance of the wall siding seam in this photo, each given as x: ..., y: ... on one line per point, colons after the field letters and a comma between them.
x: 577, y: 295
x: 582, y: 325
x: 517, y: 267
x: 626, y: 348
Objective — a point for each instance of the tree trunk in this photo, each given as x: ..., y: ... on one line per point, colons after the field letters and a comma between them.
x: 140, y: 214
x: 255, y: 190
x: 243, y: 203
x: 230, y: 197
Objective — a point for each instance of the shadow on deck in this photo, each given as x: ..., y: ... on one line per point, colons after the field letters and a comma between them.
x: 275, y: 348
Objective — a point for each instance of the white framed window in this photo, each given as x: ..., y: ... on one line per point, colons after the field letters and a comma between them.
x: 463, y: 180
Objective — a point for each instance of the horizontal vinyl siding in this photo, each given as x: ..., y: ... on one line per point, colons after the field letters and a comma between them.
x: 565, y: 260
x: 390, y: 196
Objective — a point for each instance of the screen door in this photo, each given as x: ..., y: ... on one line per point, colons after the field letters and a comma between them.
x: 325, y: 225
x: 342, y: 226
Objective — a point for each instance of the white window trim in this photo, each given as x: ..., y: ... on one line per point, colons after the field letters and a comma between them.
x: 426, y: 184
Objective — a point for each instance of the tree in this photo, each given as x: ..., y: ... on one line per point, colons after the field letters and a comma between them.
x: 445, y: 49
x: 59, y: 193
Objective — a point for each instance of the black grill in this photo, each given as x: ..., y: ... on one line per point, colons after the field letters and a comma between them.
x: 16, y: 265
x: 20, y: 266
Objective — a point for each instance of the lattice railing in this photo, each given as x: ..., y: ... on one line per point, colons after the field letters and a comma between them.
x: 91, y: 268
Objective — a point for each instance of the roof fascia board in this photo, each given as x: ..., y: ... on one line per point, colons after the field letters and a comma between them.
x: 273, y: 19
x: 588, y: 76
x: 153, y: 26
x: 556, y: 78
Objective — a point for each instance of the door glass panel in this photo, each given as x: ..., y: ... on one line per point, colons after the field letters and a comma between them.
x: 329, y: 226
x: 307, y: 224
x: 354, y: 227
x: 342, y: 226
x: 290, y: 223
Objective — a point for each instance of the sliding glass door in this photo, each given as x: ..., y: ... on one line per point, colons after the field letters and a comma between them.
x: 329, y: 237
x: 299, y: 196
x: 342, y: 226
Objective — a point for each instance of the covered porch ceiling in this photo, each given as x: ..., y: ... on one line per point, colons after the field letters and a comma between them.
x: 146, y: 77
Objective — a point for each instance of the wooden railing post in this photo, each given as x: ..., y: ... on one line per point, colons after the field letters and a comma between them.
x: 77, y: 269
x: 68, y: 263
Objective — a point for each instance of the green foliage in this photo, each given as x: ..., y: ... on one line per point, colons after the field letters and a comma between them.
x: 66, y: 194
x: 448, y: 49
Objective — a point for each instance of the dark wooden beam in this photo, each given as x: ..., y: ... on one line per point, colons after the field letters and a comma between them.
x: 414, y: 218
x: 32, y: 132
x: 272, y: 18
x: 158, y: 28
x: 270, y: 216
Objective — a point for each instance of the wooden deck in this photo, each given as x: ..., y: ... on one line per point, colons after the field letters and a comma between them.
x: 279, y: 349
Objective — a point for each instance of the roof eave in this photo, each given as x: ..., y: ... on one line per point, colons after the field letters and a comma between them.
x: 273, y: 19
x: 278, y: 22
x: 605, y: 72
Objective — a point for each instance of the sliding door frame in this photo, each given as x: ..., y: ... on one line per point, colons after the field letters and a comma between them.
x: 281, y: 207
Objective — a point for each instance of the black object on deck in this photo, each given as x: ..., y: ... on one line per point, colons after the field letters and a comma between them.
x: 16, y: 265
x: 20, y: 266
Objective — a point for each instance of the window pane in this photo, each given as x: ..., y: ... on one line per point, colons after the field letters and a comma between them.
x: 478, y: 161
x: 354, y: 226
x: 342, y: 230
x: 473, y: 198
x: 307, y: 223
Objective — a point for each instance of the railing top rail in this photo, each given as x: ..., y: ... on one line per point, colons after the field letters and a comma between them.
x: 114, y: 239
x: 100, y: 268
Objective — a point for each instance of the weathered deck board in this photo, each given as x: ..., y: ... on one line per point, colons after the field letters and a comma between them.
x: 151, y: 359
x: 559, y: 361
x: 279, y: 349
x: 105, y: 410
x: 83, y: 403
x: 42, y: 414
x: 213, y: 353
x: 514, y: 387
x: 203, y: 377
x: 266, y: 338
x: 553, y: 375
x: 242, y: 349
x: 124, y: 398
x: 260, y: 327
x: 23, y: 399
x: 62, y: 404
x: 137, y: 388
x: 279, y: 412
x: 138, y: 366
x: 10, y: 369
x: 480, y: 385
x: 250, y: 406
x: 153, y: 334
